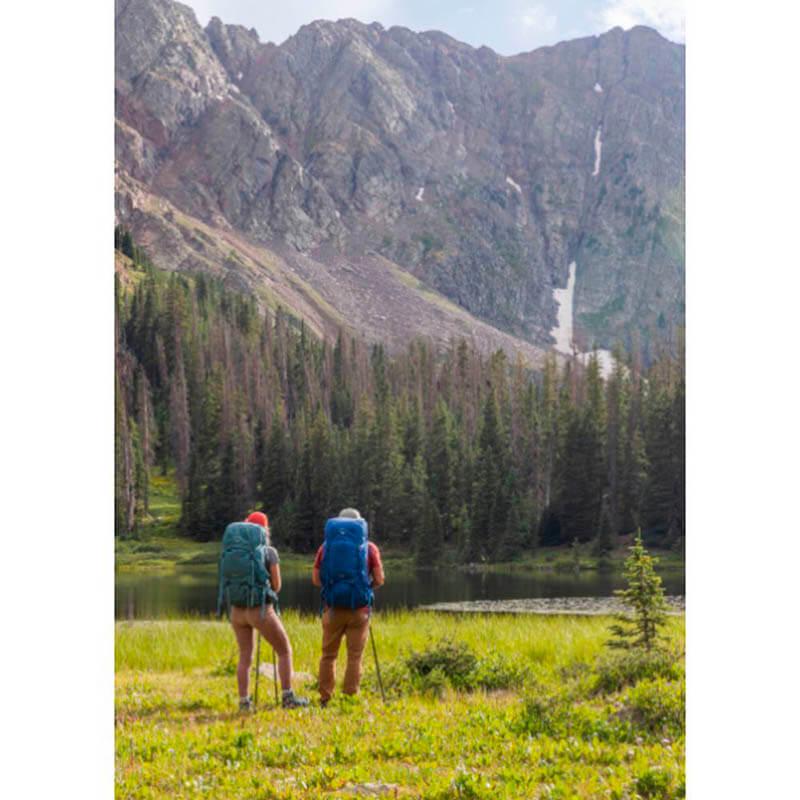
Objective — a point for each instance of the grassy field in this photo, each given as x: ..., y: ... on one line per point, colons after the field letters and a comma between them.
x: 512, y: 707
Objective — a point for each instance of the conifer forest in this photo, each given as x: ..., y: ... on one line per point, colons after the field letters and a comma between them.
x: 443, y: 450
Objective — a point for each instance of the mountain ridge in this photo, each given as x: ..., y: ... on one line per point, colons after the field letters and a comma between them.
x: 479, y: 176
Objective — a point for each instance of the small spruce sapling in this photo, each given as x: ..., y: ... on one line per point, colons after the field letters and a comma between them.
x: 645, y: 597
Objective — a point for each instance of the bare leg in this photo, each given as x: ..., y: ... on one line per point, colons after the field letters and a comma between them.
x: 244, y: 639
x: 271, y: 628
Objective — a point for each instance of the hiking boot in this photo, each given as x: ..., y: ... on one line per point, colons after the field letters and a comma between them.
x: 245, y: 704
x: 291, y: 700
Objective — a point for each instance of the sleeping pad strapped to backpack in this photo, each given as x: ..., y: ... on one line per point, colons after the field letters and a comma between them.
x: 343, y: 571
x: 243, y: 575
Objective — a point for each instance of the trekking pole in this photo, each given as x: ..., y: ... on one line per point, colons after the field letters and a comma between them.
x: 275, y: 676
x: 274, y: 665
x: 258, y: 666
x: 377, y: 665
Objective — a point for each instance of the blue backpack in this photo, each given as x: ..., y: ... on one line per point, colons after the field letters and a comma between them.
x: 344, y: 572
x: 243, y: 577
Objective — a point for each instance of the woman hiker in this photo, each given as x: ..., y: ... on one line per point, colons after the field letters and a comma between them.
x: 346, y: 621
x: 265, y: 621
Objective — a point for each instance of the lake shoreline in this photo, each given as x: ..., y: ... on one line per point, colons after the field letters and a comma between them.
x: 563, y: 606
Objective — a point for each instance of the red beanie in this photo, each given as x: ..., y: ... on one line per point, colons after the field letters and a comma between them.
x: 259, y: 518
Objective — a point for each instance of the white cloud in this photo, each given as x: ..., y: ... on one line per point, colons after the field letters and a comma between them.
x: 538, y: 18
x: 668, y: 17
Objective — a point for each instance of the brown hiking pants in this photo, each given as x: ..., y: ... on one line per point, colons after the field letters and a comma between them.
x: 354, y: 626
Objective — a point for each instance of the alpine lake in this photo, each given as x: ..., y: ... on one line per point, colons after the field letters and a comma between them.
x: 191, y: 590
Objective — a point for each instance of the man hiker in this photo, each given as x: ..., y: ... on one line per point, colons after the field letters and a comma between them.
x: 250, y: 579
x: 347, y: 568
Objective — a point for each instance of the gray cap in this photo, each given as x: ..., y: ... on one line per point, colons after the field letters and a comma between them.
x: 350, y: 513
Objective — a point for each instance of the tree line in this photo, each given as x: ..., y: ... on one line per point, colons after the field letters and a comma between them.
x: 444, y: 451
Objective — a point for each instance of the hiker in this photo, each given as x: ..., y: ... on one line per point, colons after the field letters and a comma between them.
x: 252, y: 599
x: 346, y: 596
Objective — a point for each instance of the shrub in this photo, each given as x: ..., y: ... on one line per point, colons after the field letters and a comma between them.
x: 448, y: 662
x: 654, y: 782
x: 433, y: 683
x: 616, y: 672
x: 658, y: 706
x: 454, y: 659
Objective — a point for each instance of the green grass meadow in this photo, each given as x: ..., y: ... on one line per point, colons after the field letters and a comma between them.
x: 528, y: 707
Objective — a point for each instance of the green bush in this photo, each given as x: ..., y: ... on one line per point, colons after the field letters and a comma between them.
x: 432, y: 684
x: 456, y: 665
x: 616, y: 672
x: 658, y: 706
x: 455, y: 660
x: 654, y: 782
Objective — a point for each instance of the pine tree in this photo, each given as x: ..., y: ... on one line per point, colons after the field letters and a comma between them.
x: 429, y: 542
x: 341, y: 394
x: 644, y: 596
x: 126, y: 244
x: 124, y: 478
x: 313, y: 496
x: 275, y: 478
x: 603, y: 542
x: 240, y: 408
x: 490, y: 499
x: 662, y: 488
x: 441, y: 469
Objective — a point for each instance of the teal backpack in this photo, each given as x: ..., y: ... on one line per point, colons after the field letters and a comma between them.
x: 243, y: 575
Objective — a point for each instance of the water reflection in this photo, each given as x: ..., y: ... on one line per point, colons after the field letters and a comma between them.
x: 194, y: 590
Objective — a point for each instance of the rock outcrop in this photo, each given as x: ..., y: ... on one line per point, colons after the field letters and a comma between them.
x: 455, y: 171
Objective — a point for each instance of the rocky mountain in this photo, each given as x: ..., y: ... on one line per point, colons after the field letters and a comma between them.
x: 403, y: 182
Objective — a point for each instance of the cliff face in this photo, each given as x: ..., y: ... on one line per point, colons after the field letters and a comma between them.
x: 352, y: 155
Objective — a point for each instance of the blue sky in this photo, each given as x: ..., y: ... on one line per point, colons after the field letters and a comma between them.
x: 507, y: 26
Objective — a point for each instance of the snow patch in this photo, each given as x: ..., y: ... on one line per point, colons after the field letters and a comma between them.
x: 598, y: 151
x: 598, y: 88
x: 513, y: 184
x: 605, y: 360
x: 420, y: 192
x: 562, y: 332
x: 238, y: 76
